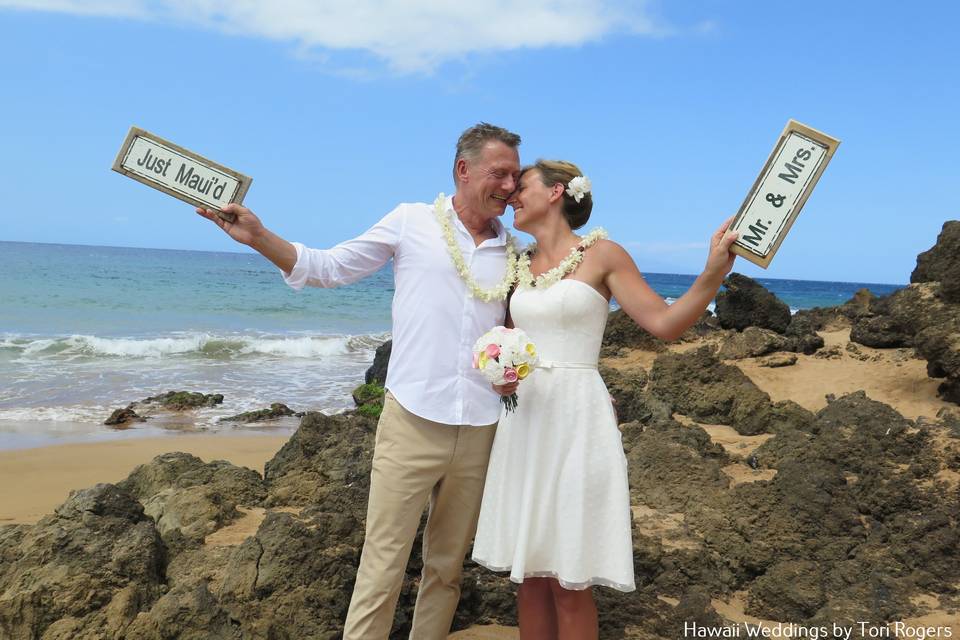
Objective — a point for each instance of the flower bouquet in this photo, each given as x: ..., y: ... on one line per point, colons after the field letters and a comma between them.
x: 504, y: 356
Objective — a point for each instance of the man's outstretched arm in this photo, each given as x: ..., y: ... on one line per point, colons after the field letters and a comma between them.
x: 247, y: 229
x: 345, y: 263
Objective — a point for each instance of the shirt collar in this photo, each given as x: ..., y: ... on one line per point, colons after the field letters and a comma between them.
x: 499, y: 241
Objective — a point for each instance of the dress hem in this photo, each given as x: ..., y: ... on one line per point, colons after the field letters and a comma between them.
x: 570, y: 586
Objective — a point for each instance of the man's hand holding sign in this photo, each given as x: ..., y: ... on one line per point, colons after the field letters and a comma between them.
x: 215, y: 190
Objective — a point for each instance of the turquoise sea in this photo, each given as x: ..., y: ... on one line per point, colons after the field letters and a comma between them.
x: 85, y: 330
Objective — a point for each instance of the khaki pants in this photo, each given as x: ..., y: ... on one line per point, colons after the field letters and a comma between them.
x: 416, y: 461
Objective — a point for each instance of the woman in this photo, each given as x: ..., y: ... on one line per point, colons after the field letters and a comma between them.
x: 556, y: 506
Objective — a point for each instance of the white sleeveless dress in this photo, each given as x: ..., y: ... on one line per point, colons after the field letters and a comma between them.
x: 556, y: 501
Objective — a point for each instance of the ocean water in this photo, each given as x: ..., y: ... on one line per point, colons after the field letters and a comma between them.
x: 85, y: 330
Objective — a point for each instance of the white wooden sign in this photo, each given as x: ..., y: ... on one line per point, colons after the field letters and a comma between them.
x: 181, y: 173
x: 785, y: 182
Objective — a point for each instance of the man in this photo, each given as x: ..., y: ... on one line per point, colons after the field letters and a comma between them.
x: 453, y: 264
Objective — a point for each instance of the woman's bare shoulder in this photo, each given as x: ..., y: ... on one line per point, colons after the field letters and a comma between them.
x: 610, y: 251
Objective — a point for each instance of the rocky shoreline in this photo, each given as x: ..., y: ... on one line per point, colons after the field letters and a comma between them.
x: 748, y: 508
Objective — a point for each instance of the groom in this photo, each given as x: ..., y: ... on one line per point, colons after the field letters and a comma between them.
x: 439, y: 416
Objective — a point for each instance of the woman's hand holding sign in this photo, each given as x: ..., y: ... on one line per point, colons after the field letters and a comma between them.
x: 720, y: 260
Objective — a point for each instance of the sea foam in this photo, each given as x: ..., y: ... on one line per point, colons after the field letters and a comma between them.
x: 199, y: 345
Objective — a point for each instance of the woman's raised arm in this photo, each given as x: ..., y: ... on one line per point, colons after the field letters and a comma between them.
x: 647, y: 308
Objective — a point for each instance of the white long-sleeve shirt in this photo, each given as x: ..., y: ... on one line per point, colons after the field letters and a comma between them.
x: 435, y: 322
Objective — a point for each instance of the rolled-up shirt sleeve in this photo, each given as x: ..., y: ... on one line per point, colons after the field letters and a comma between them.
x: 351, y: 260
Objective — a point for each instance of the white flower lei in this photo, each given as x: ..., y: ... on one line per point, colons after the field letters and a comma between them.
x: 567, y: 265
x: 498, y: 292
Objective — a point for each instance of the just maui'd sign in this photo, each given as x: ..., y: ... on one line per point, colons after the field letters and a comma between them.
x: 785, y: 182
x: 179, y: 172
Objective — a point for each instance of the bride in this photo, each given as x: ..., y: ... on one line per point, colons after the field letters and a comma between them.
x: 556, y: 505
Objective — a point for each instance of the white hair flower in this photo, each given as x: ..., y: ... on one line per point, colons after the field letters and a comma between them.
x: 578, y: 187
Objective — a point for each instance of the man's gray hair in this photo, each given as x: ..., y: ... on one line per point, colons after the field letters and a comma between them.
x: 472, y: 140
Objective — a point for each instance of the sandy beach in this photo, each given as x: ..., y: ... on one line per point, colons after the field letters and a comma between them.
x: 34, y: 481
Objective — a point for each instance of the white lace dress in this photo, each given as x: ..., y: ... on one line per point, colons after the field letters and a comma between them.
x: 556, y: 501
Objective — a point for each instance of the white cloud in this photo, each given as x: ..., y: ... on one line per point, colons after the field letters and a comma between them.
x: 409, y: 35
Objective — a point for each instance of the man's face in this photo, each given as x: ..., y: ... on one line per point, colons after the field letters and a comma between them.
x: 487, y: 181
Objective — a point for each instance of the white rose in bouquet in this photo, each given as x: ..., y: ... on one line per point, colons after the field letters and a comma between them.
x: 504, y: 356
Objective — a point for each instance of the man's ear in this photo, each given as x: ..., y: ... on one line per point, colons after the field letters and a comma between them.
x: 461, y: 170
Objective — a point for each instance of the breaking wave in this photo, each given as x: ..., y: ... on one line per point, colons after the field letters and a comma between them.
x: 186, y: 345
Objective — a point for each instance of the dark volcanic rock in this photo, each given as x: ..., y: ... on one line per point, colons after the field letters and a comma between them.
x: 838, y: 317
x: 325, y: 452
x: 941, y: 263
x: 852, y: 431
x: 622, y: 332
x: 751, y: 343
x: 121, y: 417
x: 744, y: 302
x: 142, y: 410
x: 184, y: 471
x: 789, y: 590
x: 630, y: 400
x: 92, y: 565
x: 847, y: 527
x: 920, y: 317
x: 881, y: 332
x: 276, y: 410
x: 779, y: 360
x: 940, y: 346
x: 186, y: 613
x: 183, y: 400
x: 671, y: 464
x: 190, y: 499
x: 694, y: 608
x: 698, y: 385
x: 802, y: 335
x: 895, y: 319
x: 949, y: 390
x: 804, y: 513
x: 787, y: 415
x: 293, y: 579
x: 377, y: 373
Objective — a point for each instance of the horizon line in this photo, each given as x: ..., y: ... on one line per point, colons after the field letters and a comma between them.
x: 251, y: 252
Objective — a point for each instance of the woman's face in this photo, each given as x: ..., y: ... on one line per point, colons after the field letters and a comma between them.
x: 531, y: 200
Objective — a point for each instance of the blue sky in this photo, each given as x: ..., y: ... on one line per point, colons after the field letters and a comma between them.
x: 339, y: 110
